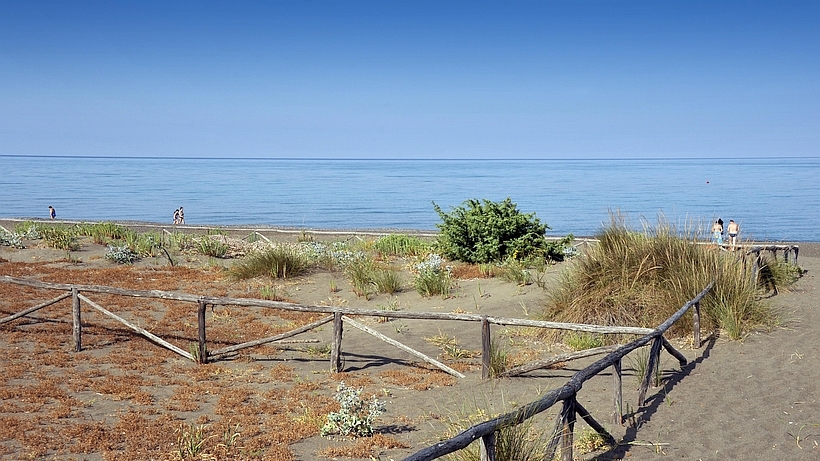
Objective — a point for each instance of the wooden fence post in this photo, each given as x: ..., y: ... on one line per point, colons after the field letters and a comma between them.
x: 652, y: 364
x: 696, y: 325
x: 485, y: 348
x: 487, y: 451
x: 203, y: 351
x: 568, y: 426
x: 77, y: 319
x: 336, y: 346
x: 617, y: 393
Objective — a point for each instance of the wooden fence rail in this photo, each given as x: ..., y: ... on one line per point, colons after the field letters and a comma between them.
x: 486, y: 431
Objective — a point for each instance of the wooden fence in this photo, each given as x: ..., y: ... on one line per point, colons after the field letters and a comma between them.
x: 338, y: 315
x: 563, y: 432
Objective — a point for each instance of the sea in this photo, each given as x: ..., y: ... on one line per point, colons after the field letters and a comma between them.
x: 773, y: 199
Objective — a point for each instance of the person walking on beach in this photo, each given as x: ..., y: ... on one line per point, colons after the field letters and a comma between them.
x: 733, y: 229
x: 52, y: 212
x: 717, y: 232
x: 176, y: 216
x: 181, y: 216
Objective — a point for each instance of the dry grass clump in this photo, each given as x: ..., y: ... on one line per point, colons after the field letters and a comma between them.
x: 366, y: 447
x: 641, y: 278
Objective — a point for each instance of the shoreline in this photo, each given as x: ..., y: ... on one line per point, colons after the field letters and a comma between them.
x: 807, y: 247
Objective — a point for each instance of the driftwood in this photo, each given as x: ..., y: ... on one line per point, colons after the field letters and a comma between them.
x: 139, y: 330
x: 401, y: 346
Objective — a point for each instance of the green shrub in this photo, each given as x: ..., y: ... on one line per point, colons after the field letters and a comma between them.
x: 401, y: 245
x: 276, y: 262
x: 102, y: 232
x: 485, y: 231
x: 641, y: 278
x: 362, y: 273
x: 13, y: 240
x: 581, y: 341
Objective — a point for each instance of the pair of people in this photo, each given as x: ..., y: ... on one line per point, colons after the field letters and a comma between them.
x: 732, y: 229
x: 179, y: 216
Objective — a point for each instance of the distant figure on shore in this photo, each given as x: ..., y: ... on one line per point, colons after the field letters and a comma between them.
x: 176, y: 216
x: 717, y: 232
x: 52, y: 212
x: 181, y: 216
x: 733, y: 229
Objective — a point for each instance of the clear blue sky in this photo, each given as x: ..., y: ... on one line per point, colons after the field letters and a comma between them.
x: 415, y: 79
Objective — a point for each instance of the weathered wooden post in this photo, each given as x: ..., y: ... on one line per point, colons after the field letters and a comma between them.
x: 617, y: 393
x: 487, y: 451
x: 203, y: 352
x: 696, y: 325
x: 568, y: 420
x: 654, y: 355
x: 485, y: 347
x: 336, y: 346
x: 755, y: 266
x: 77, y: 319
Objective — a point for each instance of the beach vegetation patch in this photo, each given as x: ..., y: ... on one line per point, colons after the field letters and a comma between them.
x: 60, y: 237
x: 121, y: 254
x: 432, y: 277
x: 483, y: 231
x: 355, y: 416
x: 633, y: 278
x: 777, y: 275
x: 401, y: 245
x: 102, y: 233
x: 279, y: 262
x: 212, y: 247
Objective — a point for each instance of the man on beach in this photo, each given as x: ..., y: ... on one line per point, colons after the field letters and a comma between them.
x: 733, y: 229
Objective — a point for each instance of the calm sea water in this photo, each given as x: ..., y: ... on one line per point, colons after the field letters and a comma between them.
x: 772, y: 199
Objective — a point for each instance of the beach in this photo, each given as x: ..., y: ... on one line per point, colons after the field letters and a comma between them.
x: 750, y: 399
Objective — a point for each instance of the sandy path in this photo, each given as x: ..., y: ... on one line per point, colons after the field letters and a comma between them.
x: 754, y: 399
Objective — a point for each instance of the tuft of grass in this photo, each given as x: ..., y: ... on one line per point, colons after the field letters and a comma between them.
x: 387, y: 280
x: 588, y: 441
x: 276, y: 262
x: 499, y: 359
x: 212, y: 247
x: 641, y: 278
x: 361, y: 271
x: 515, y: 271
x: 582, y: 341
x: 777, y: 275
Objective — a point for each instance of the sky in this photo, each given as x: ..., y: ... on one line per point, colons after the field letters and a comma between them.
x: 410, y: 79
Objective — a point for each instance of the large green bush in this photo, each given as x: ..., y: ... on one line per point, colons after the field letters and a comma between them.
x: 485, y: 231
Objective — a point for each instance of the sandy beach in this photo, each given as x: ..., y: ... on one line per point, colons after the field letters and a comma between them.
x: 749, y: 399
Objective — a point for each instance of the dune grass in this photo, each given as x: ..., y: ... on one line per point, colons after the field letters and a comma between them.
x: 275, y: 262
x: 641, y: 278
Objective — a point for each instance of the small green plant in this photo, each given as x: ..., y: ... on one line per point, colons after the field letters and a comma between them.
x: 499, y: 360
x: 515, y: 271
x: 190, y: 440
x: 639, y: 361
x: 588, y: 441
x: 355, y: 416
x: 431, y: 278
x: 362, y: 273
x: 121, y: 254
x: 13, y: 240
x: 580, y: 341
x: 320, y: 351
x: 269, y: 293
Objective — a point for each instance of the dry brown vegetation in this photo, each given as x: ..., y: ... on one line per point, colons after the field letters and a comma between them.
x: 124, y: 398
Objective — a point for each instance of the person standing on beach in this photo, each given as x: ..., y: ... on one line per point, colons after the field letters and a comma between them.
x: 181, y: 216
x: 176, y: 216
x: 717, y: 232
x: 52, y: 212
x: 733, y: 229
